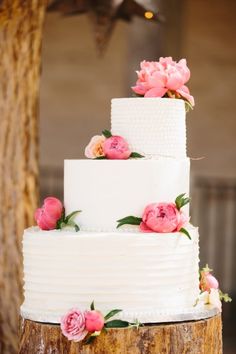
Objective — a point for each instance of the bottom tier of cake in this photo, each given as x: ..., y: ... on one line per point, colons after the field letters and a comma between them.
x: 145, y: 275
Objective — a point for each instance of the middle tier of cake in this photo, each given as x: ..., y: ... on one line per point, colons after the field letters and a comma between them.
x: 108, y: 190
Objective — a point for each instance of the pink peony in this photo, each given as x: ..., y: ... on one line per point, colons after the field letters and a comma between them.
x: 116, y: 148
x: 162, y: 217
x: 208, y: 282
x: 47, y: 216
x: 73, y: 325
x: 95, y: 147
x: 156, y: 79
x: 94, y: 321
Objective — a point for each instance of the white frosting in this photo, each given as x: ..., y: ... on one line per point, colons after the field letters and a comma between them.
x: 153, y: 126
x: 108, y: 190
x: 146, y: 275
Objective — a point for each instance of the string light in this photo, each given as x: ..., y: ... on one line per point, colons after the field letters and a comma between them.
x: 148, y: 15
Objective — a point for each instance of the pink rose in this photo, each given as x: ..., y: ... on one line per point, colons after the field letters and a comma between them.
x: 155, y: 79
x: 162, y: 217
x: 95, y: 147
x: 116, y: 148
x: 47, y: 216
x: 208, y: 282
x: 73, y: 325
x: 94, y: 321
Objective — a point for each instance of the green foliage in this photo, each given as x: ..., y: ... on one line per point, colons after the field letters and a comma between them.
x: 185, y: 232
x: 117, y: 324
x: 107, y: 133
x: 136, y: 155
x: 112, y: 313
x: 181, y: 201
x: 129, y: 220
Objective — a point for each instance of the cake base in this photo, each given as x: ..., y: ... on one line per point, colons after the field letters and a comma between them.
x: 179, y: 315
x: 204, y: 336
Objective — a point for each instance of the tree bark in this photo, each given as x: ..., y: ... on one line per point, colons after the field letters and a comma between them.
x: 199, y: 337
x: 20, y: 57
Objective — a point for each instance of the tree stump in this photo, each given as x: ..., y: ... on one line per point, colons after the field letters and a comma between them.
x: 21, y: 25
x: 193, y: 337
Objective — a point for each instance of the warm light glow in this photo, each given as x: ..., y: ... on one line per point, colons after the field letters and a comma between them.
x: 148, y: 15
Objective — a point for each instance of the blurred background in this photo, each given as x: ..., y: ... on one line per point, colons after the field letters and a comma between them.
x: 78, y: 84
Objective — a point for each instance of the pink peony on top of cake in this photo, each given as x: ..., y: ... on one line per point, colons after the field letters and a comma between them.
x: 164, y: 78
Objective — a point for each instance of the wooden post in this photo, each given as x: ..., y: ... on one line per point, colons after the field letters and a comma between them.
x: 197, y: 337
x: 20, y: 59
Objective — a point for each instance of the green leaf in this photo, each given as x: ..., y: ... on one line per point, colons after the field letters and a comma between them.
x: 206, y: 269
x: 224, y: 297
x: 180, y: 201
x: 136, y: 155
x: 90, y: 340
x: 71, y: 215
x: 100, y: 158
x: 130, y: 220
x: 184, y: 231
x: 107, y: 133
x: 73, y: 224
x: 60, y: 222
x: 188, y: 106
x: 117, y: 324
x: 112, y: 313
x: 92, y: 307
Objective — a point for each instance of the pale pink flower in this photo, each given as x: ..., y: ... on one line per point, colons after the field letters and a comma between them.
x: 211, y: 298
x: 95, y: 147
x: 73, y: 325
x: 47, y: 216
x: 116, y: 148
x: 94, y: 321
x: 155, y: 79
x: 208, y: 282
x: 214, y: 299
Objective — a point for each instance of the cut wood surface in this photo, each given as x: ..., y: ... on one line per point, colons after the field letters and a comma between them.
x: 194, y: 337
x: 20, y: 61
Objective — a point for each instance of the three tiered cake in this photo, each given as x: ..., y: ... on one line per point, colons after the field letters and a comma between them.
x: 148, y: 269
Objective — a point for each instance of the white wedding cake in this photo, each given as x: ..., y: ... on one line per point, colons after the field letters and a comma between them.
x: 122, y: 243
x: 150, y: 276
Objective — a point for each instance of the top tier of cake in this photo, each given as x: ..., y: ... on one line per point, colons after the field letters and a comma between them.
x: 152, y: 126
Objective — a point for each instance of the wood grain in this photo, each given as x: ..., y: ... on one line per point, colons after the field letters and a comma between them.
x: 199, y: 337
x: 20, y: 60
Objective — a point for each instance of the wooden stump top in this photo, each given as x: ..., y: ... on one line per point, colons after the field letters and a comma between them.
x: 193, y: 337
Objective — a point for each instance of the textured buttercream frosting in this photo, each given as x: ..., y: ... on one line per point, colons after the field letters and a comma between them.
x: 108, y: 190
x: 152, y: 126
x: 145, y: 275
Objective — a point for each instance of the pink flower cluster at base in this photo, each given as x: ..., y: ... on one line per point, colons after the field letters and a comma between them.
x: 47, y: 216
x: 73, y: 325
x: 165, y: 77
x: 163, y: 218
x: 76, y: 324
